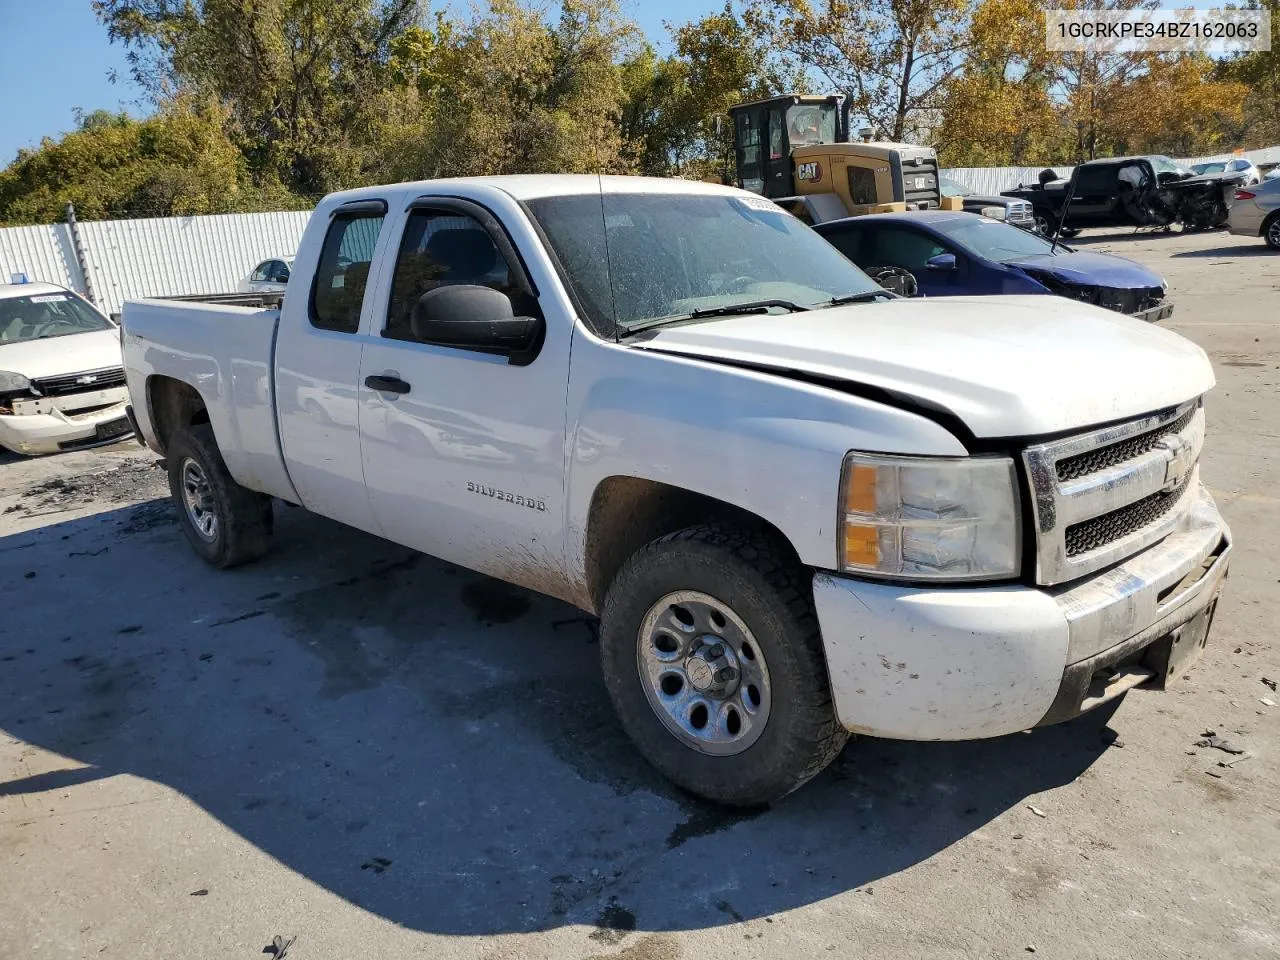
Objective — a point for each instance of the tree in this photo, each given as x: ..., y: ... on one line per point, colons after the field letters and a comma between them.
x: 888, y: 57
x: 177, y: 163
x: 297, y: 77
x: 1259, y: 71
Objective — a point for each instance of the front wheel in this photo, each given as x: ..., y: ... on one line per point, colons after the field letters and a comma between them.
x: 711, y: 654
x: 225, y: 523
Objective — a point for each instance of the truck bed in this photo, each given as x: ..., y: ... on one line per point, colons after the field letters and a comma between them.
x: 226, y: 352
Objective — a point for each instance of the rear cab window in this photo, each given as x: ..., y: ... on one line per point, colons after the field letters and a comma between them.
x: 342, y: 274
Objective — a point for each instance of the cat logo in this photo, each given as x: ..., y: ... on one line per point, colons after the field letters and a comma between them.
x: 811, y: 170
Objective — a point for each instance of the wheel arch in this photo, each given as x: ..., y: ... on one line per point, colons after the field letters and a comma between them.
x: 172, y: 405
x: 627, y: 512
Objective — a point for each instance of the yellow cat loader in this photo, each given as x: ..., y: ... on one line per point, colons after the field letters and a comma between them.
x: 796, y: 150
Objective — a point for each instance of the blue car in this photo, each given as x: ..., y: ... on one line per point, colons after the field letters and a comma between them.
x: 962, y: 254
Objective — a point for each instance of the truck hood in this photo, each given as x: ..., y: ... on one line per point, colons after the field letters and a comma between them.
x: 57, y: 356
x: 1091, y: 269
x: 1008, y: 366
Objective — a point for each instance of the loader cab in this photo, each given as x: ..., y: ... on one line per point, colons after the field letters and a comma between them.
x: 766, y: 131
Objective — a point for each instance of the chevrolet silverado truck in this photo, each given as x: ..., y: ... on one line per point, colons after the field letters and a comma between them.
x: 802, y: 507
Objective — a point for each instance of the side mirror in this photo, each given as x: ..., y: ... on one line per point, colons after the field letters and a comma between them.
x: 943, y: 261
x: 477, y: 318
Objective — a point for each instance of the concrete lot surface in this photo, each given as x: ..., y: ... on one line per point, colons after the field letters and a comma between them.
x: 384, y: 756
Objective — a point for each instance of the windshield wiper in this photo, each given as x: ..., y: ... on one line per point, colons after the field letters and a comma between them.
x: 866, y: 297
x: 729, y: 310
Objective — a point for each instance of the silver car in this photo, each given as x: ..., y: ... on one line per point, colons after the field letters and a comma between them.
x: 1230, y: 167
x: 270, y: 276
x: 1255, y: 212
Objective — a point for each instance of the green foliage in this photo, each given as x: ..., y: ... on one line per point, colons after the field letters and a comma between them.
x: 265, y: 104
x: 177, y: 163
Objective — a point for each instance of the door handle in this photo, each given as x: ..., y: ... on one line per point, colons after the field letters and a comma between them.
x: 386, y: 384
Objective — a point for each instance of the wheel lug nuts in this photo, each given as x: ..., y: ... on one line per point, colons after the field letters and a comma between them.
x: 726, y: 673
x: 715, y: 651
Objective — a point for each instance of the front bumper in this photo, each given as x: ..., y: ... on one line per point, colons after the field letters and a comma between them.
x: 53, y: 425
x: 1152, y: 314
x: 921, y: 663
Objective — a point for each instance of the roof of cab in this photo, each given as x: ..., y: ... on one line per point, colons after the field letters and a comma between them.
x: 8, y: 290
x: 531, y: 186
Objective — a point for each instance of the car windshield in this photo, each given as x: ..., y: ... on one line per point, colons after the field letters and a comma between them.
x: 40, y: 316
x: 993, y: 240
x: 1165, y: 165
x: 1202, y: 168
x: 635, y: 259
x: 953, y: 188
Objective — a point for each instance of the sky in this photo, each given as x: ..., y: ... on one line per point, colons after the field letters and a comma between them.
x: 55, y: 57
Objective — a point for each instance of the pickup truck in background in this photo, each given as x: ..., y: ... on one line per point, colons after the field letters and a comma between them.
x: 802, y: 507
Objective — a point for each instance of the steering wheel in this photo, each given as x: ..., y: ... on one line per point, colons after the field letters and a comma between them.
x: 899, y: 280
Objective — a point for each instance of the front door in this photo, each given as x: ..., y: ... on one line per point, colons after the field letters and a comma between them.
x: 466, y: 462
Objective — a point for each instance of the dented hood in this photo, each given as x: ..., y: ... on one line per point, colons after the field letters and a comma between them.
x: 1008, y: 366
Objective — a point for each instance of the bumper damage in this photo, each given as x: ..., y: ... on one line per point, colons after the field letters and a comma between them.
x: 50, y: 425
x: 959, y: 664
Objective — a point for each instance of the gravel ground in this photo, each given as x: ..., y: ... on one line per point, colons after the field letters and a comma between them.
x: 381, y: 755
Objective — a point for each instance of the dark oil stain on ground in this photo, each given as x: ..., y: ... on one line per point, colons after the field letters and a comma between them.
x: 614, y: 923
x: 493, y: 601
x: 705, y: 819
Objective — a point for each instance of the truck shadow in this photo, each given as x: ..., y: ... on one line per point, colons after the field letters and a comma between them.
x: 436, y: 747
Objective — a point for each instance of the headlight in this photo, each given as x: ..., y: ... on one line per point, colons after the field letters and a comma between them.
x: 930, y: 519
x: 995, y: 213
x: 13, y: 382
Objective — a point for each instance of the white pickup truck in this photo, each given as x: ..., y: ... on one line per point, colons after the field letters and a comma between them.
x: 801, y: 507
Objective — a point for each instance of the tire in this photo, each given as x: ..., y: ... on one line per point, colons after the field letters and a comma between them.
x: 225, y: 523
x: 1271, y: 231
x: 1046, y: 222
x: 766, y: 603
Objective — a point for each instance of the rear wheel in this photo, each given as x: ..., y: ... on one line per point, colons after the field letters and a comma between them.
x: 225, y: 523
x: 712, y: 657
x: 1271, y: 231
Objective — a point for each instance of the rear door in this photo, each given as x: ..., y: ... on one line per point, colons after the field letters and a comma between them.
x: 322, y: 334
x: 467, y: 462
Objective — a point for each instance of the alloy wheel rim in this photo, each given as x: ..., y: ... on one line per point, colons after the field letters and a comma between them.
x: 703, y: 673
x: 198, y: 500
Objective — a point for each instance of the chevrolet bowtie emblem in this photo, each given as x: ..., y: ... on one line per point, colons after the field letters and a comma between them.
x: 1181, y: 460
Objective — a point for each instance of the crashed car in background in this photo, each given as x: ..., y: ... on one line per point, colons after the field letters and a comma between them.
x: 62, y: 383
x: 950, y: 254
x: 1150, y: 191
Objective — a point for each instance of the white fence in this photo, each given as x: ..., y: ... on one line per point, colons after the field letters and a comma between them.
x: 148, y: 258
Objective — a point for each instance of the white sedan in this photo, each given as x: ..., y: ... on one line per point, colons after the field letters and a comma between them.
x: 62, y: 380
x: 270, y: 276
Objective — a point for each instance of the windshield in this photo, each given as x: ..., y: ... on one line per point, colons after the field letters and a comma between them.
x: 40, y: 316
x: 993, y: 240
x: 1165, y: 165
x: 953, y: 188
x: 1202, y: 168
x: 667, y: 255
x: 808, y: 124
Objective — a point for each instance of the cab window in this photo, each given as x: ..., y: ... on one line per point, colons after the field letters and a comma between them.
x: 343, y: 271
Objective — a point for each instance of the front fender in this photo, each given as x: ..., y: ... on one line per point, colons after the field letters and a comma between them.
x: 769, y: 445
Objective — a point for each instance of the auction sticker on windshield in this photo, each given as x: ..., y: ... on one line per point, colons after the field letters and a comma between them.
x: 758, y: 203
x: 51, y: 298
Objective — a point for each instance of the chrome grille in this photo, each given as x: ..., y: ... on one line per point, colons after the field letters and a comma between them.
x: 1083, y: 464
x: 1100, y: 497
x: 84, y: 382
x: 1110, y: 527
